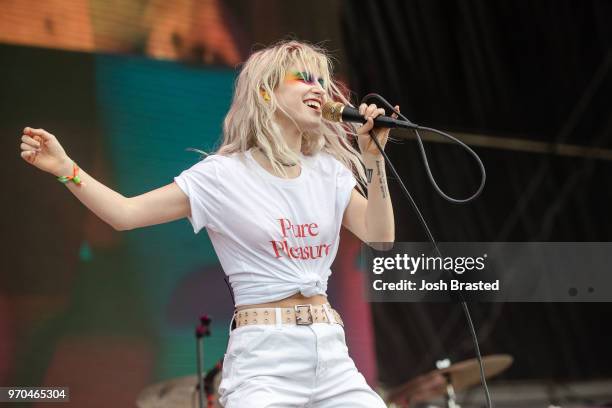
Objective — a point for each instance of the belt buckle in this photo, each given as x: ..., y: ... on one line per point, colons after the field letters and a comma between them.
x: 298, y: 319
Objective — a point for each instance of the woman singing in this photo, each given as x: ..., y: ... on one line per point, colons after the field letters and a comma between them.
x: 273, y: 199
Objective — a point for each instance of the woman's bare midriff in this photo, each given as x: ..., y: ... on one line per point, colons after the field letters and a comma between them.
x: 297, y: 299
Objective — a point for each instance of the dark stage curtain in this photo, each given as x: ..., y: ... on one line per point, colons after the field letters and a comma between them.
x: 532, y: 70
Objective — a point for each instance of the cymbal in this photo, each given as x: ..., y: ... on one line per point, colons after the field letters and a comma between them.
x: 461, y: 375
x: 176, y: 393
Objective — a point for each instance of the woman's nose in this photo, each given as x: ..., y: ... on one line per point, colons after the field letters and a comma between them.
x: 318, y: 89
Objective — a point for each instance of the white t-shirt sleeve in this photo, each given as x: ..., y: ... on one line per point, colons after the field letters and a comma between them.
x: 345, y: 182
x: 201, y: 183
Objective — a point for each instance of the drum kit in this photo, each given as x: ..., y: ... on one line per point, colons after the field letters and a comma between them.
x: 178, y: 393
x: 200, y: 391
x: 444, y: 381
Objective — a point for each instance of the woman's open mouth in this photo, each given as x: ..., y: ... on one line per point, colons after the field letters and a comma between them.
x: 313, y: 104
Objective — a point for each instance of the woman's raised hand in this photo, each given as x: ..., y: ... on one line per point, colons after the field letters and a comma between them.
x: 366, y: 145
x: 41, y: 149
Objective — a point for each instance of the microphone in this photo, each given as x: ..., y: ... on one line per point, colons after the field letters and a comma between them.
x: 338, y: 112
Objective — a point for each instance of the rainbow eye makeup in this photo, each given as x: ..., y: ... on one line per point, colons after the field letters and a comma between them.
x: 305, y: 77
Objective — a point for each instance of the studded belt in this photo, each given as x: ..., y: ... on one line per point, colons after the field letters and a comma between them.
x: 298, y: 315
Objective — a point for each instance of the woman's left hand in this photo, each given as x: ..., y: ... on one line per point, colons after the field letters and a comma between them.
x: 366, y: 144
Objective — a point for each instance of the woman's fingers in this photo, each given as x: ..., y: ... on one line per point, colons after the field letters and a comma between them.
x: 367, y: 126
x: 378, y: 112
x: 28, y: 155
x: 25, y: 146
x: 370, y: 113
x: 370, y: 110
x: 394, y: 115
x: 362, y: 109
x: 30, y: 141
x: 374, y: 111
x: 42, y: 133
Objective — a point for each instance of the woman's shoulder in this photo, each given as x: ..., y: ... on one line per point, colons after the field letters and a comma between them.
x: 220, y: 161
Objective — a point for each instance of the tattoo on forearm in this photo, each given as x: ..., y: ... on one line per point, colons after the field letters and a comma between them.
x: 369, y: 175
x: 381, y: 178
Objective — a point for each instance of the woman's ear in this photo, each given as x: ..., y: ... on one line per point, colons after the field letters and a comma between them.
x: 264, y: 94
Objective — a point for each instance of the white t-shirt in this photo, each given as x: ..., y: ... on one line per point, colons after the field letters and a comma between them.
x: 274, y: 237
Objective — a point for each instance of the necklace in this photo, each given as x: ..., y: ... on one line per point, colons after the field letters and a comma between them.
x: 285, y: 164
x: 288, y: 165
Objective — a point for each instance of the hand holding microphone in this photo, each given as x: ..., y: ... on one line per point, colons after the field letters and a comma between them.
x: 371, y: 116
x: 338, y: 112
x: 371, y: 113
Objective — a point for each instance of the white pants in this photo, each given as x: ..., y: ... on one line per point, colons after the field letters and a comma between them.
x: 292, y: 366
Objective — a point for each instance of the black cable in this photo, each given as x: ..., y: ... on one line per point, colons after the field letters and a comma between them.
x: 422, y: 220
x: 428, y: 169
x: 416, y: 129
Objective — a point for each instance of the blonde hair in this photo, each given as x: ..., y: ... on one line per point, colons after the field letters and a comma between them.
x: 250, y: 120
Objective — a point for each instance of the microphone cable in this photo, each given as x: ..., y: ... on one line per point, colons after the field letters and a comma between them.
x: 466, y: 311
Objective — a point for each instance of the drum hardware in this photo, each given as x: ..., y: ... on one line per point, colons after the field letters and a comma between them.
x: 446, y: 380
x: 186, y: 392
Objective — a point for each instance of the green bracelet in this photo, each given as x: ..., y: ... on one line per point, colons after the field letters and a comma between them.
x: 74, y: 178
